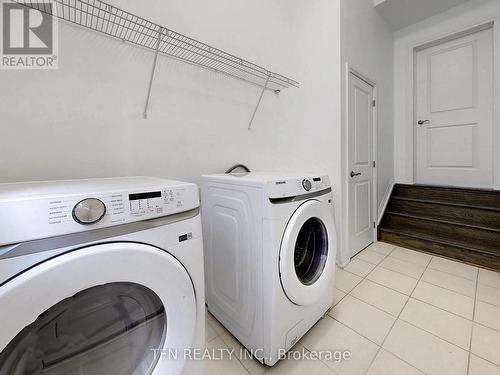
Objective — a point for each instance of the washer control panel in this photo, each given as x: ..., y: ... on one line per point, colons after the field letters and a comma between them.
x: 155, y: 202
x: 293, y: 187
x: 68, y: 211
x: 119, y: 208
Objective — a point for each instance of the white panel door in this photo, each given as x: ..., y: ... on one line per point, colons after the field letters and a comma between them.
x: 360, y: 164
x: 454, y: 112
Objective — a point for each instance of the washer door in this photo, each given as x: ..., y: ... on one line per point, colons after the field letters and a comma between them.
x: 307, y: 255
x: 104, y: 309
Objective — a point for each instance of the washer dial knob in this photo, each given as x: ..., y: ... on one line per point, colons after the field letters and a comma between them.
x: 307, y: 185
x: 89, y: 211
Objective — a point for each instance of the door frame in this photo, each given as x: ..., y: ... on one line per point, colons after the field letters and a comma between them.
x: 350, y: 69
x: 405, y: 168
x: 434, y: 43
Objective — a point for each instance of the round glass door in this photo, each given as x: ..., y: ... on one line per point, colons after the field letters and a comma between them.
x: 107, y: 329
x: 307, y: 254
x: 311, y: 251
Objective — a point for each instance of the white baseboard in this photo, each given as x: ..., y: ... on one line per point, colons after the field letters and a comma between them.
x: 385, y: 201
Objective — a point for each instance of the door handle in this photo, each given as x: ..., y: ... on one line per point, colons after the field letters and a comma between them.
x: 354, y: 174
x: 422, y: 122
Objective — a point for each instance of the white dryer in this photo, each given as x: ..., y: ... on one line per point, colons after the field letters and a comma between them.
x: 270, y: 250
x: 100, y: 276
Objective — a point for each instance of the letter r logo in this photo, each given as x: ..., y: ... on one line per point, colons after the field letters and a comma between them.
x: 27, y: 31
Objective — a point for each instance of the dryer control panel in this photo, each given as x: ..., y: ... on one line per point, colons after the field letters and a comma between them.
x: 292, y: 187
x: 72, y: 207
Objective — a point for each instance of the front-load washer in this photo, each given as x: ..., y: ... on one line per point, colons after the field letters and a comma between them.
x: 270, y: 250
x: 101, y: 276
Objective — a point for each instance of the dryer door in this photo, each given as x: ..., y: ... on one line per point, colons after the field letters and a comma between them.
x: 308, y: 251
x: 104, y: 309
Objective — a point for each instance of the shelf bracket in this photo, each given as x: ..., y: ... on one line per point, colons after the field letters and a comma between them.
x: 145, y: 113
x: 260, y: 99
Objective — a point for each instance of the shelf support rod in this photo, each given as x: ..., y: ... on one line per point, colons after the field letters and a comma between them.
x: 260, y: 99
x: 145, y: 113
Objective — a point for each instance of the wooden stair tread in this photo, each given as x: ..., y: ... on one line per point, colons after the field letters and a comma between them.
x: 460, y: 253
x: 481, y: 249
x: 454, y: 214
x: 460, y: 223
x: 460, y: 234
x: 446, y: 203
x: 447, y: 188
x: 441, y: 221
x: 471, y: 197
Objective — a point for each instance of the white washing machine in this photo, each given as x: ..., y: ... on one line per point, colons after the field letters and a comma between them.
x: 100, y: 276
x: 270, y: 249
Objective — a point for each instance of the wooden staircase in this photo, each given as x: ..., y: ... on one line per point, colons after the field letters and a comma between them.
x: 457, y: 223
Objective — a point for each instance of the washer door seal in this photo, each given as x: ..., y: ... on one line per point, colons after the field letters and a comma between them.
x: 307, y: 254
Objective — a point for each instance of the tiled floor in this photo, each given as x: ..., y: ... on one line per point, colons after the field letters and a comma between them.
x: 398, y: 312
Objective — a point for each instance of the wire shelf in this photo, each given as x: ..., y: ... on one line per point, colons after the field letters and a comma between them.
x: 110, y: 20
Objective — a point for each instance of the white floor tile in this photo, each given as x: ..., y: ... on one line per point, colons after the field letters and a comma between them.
x: 451, y: 282
x: 365, y: 319
x: 337, y: 296
x: 382, y: 247
x: 214, y: 323
x: 394, y: 280
x: 388, y: 364
x: 411, y: 256
x: 371, y: 256
x: 253, y: 366
x: 455, y: 268
x: 429, y: 338
x: 359, y: 267
x: 210, y: 333
x: 402, y: 266
x: 346, y: 281
x: 229, y: 365
x: 443, y: 324
x: 489, y: 278
x: 488, y: 294
x: 479, y: 366
x: 331, y: 335
x: 488, y: 315
x: 292, y: 366
x: 380, y: 296
x: 486, y: 343
x: 444, y: 299
x: 428, y: 353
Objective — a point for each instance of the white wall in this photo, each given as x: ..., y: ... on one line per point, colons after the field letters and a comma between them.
x: 458, y: 19
x: 403, y: 13
x: 85, y: 119
x: 367, y: 45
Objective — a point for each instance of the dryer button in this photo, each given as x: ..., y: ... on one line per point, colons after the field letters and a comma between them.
x: 89, y: 211
x: 307, y: 185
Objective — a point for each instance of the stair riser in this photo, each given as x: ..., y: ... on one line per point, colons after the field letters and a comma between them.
x: 452, y: 233
x: 468, y: 256
x: 459, y: 196
x: 459, y: 215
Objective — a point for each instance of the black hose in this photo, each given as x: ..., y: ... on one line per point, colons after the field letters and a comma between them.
x: 234, y: 167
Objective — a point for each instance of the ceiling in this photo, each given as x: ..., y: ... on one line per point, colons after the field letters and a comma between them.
x: 402, y: 13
